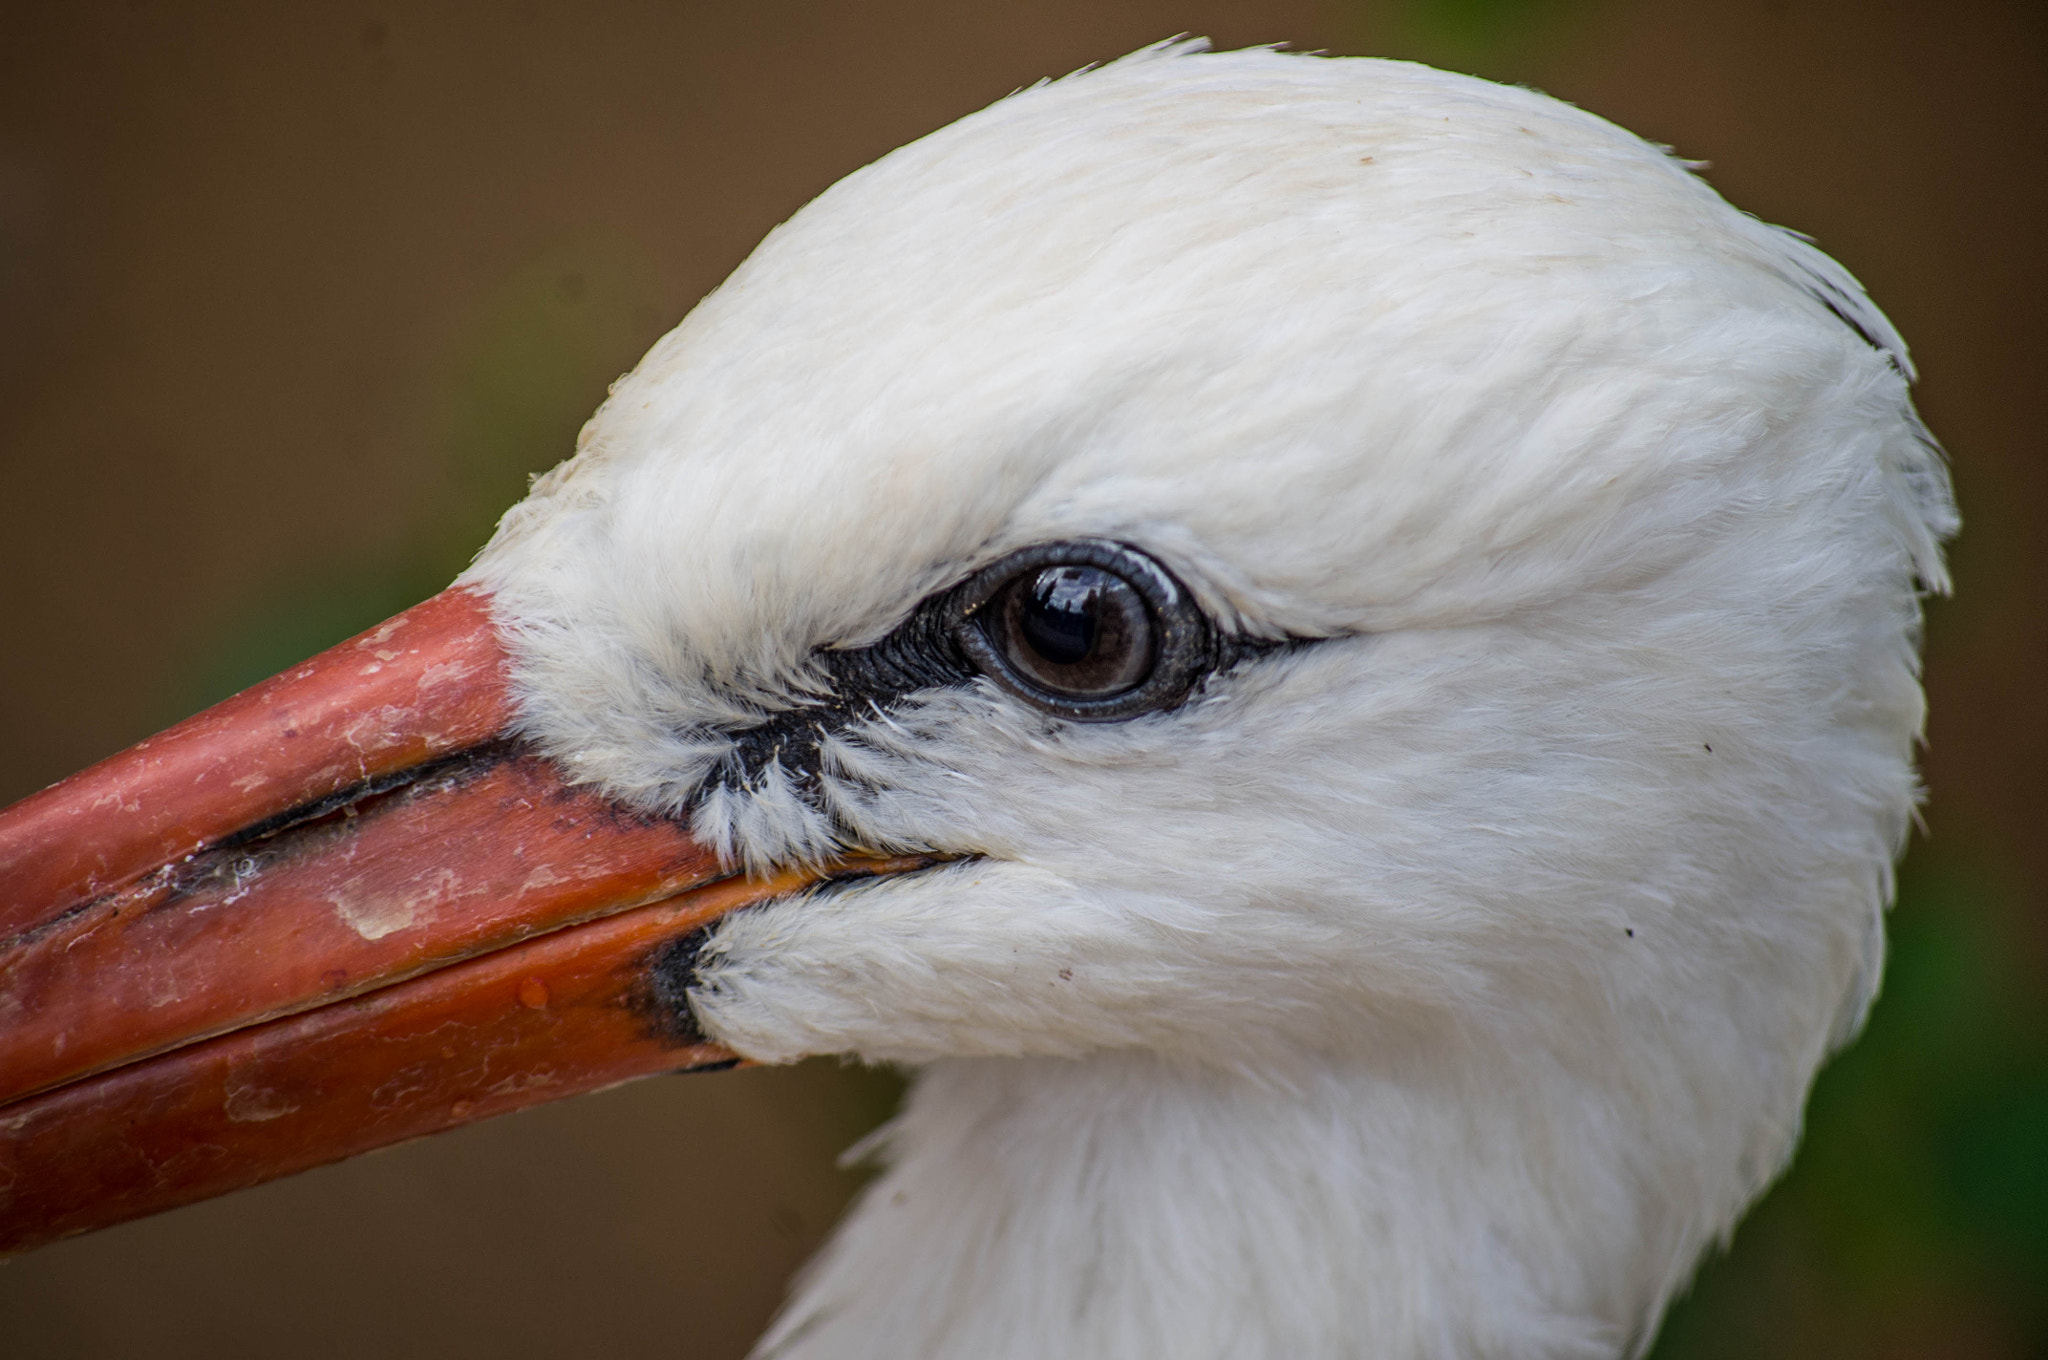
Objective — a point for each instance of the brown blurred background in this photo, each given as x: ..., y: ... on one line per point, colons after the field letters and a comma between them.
x: 294, y: 297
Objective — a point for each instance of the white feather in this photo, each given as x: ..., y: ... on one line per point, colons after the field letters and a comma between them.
x: 1441, y: 988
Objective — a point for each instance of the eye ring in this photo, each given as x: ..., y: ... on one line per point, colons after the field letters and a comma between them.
x: 1182, y: 643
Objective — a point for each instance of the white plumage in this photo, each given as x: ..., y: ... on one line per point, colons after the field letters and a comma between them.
x: 1441, y: 986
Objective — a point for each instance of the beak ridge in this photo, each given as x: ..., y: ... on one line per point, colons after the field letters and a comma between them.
x: 424, y: 683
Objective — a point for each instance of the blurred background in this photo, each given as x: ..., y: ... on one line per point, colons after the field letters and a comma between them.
x: 293, y: 298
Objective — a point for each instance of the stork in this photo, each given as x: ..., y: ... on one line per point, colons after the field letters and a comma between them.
x: 1326, y: 650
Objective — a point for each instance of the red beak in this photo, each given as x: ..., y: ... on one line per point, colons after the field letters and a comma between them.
x: 342, y: 909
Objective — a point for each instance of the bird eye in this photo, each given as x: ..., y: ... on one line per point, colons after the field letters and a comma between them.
x: 1089, y: 629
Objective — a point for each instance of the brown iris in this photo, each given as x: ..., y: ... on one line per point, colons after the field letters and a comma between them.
x: 1075, y: 630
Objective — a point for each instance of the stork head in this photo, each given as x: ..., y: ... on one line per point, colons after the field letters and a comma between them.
x: 1311, y: 562
x: 1500, y: 557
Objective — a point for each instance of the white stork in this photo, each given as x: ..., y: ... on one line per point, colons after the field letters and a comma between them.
x: 1327, y: 650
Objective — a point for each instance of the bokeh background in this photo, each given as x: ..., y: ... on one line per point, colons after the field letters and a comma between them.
x: 293, y: 298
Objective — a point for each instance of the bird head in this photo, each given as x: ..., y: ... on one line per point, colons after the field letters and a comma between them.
x: 1493, y: 545
x: 1268, y: 562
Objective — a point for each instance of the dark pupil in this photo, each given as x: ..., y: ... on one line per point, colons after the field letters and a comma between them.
x: 1079, y: 631
x: 1060, y: 619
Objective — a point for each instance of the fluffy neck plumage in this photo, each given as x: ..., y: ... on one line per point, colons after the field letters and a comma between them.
x: 1115, y: 1206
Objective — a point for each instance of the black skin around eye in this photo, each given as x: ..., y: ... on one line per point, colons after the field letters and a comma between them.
x: 956, y: 633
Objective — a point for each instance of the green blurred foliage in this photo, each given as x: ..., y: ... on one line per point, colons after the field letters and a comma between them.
x: 519, y: 376
x: 1462, y: 35
x: 1914, y: 1220
x: 533, y: 363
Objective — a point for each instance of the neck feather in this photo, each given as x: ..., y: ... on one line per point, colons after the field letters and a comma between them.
x: 1117, y: 1206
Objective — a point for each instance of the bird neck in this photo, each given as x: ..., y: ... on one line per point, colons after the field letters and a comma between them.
x: 1116, y: 1206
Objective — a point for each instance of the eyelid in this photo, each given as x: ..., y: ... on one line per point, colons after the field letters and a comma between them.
x: 1153, y: 581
